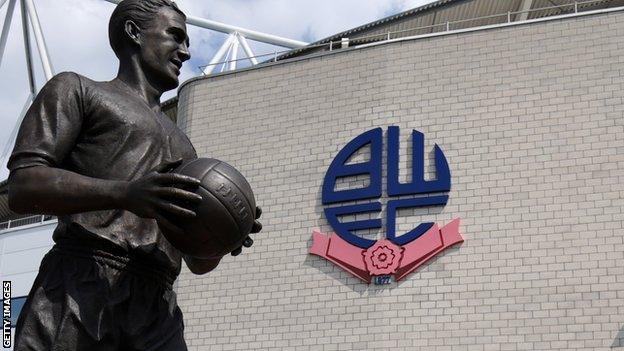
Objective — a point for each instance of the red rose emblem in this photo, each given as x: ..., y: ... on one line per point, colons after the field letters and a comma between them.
x: 383, y: 257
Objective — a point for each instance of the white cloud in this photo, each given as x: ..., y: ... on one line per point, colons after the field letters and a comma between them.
x: 76, y: 36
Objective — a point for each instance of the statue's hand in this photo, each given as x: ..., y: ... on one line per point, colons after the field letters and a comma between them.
x: 257, y: 227
x: 161, y: 195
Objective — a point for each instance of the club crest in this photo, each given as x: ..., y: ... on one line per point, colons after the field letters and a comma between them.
x: 398, y: 254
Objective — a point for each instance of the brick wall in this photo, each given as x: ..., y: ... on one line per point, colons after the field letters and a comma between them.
x: 530, y: 119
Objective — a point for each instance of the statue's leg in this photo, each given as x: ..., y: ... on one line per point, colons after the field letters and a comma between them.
x: 55, y: 315
x: 154, y: 320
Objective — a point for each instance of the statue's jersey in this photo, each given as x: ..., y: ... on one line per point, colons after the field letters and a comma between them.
x: 102, y: 130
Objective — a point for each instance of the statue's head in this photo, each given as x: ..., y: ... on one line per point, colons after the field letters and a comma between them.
x: 155, y: 30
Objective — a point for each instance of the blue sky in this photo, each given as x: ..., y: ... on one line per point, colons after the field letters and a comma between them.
x: 76, y: 37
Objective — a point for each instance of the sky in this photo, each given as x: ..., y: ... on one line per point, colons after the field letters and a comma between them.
x: 76, y: 34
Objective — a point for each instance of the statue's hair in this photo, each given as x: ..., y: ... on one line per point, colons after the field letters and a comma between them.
x: 141, y: 12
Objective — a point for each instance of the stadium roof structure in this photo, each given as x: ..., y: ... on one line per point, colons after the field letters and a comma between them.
x: 445, y: 15
x: 436, y: 17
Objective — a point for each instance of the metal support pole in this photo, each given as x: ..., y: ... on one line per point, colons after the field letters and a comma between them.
x: 217, y: 57
x: 247, y: 49
x: 262, y: 37
x: 29, y: 64
x: 234, y: 55
x: 508, y: 16
x: 41, y: 45
x: 576, y: 7
x: 448, y: 26
x: 274, y: 55
x: 227, y: 58
x: 5, y: 28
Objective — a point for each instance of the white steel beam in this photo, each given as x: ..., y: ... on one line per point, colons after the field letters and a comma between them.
x: 229, y: 29
x: 247, y: 49
x: 5, y: 28
x: 262, y: 37
x: 29, y: 64
x: 234, y: 55
x: 41, y: 45
x: 227, y: 57
x: 217, y: 57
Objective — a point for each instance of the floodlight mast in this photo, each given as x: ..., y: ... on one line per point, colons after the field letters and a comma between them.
x: 38, y: 33
x: 237, y: 36
x: 6, y: 26
x: 28, y: 49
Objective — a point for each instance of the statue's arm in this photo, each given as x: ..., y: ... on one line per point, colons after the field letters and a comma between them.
x: 48, y: 133
x: 55, y: 191
x: 38, y: 182
x: 50, y: 190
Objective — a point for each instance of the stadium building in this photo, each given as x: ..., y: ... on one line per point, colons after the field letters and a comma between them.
x: 524, y: 101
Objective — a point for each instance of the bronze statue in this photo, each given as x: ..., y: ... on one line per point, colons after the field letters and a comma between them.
x: 97, y: 155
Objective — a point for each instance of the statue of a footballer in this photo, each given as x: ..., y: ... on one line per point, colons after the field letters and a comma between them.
x: 97, y: 155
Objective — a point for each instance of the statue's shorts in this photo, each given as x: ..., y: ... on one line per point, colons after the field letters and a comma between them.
x: 90, y: 299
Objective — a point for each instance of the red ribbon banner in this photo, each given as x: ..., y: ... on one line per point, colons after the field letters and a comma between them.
x: 385, y: 257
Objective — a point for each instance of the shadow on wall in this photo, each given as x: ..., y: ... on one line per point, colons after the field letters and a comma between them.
x: 619, y: 339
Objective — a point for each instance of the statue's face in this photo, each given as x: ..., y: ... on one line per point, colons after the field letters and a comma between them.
x: 164, y: 47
